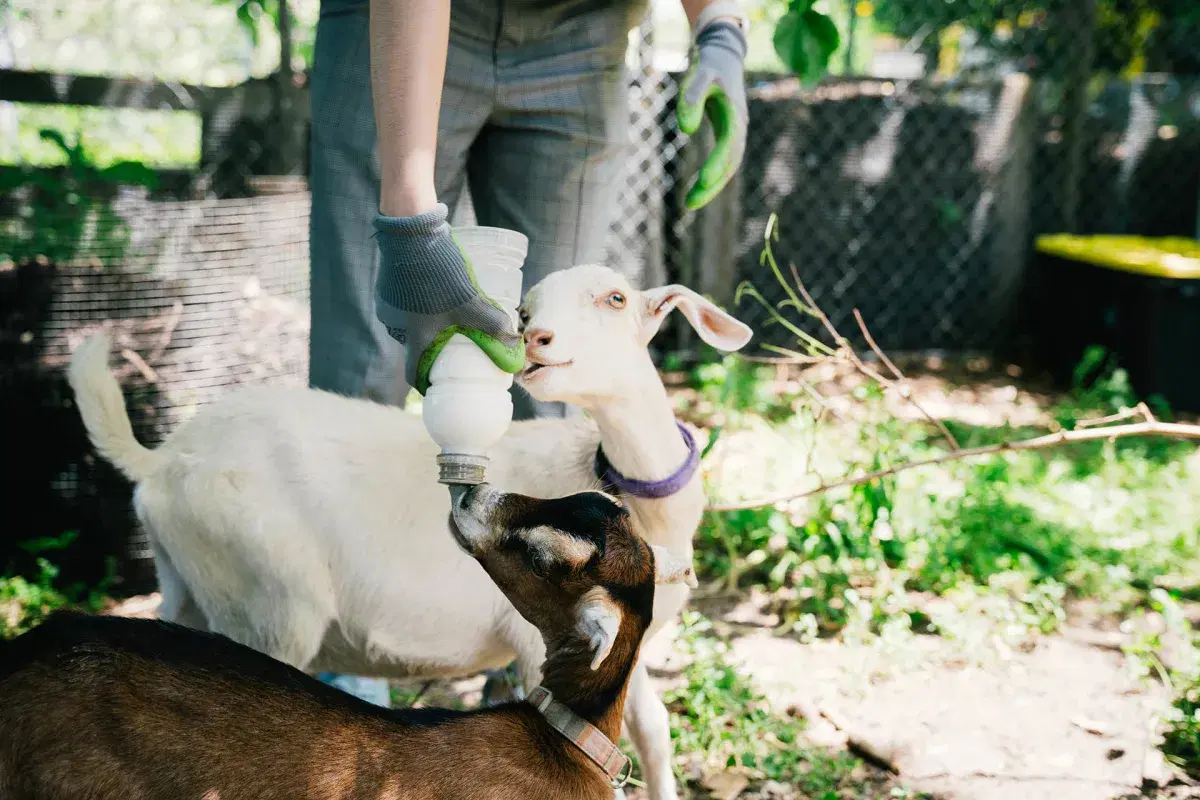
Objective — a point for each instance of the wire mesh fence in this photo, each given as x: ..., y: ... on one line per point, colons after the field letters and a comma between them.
x: 908, y: 185
x: 914, y: 196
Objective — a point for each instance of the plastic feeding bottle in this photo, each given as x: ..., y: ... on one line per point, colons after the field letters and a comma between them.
x: 467, y: 407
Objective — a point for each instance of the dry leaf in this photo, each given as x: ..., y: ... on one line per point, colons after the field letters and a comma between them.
x: 725, y: 785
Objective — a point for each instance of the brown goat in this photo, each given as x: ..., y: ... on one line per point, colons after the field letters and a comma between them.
x: 106, y: 708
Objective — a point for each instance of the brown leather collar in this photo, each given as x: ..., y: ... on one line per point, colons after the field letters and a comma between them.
x: 615, y: 765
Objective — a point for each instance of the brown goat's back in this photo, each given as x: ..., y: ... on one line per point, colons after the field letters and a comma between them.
x: 104, y: 707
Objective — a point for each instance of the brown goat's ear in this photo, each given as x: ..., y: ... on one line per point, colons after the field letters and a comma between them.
x: 599, y: 621
x: 670, y: 568
x: 715, y: 327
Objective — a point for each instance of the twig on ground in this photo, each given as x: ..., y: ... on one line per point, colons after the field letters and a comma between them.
x: 821, y: 400
x: 901, y: 383
x: 881, y: 754
x: 140, y: 365
x: 847, y: 351
x: 170, y: 323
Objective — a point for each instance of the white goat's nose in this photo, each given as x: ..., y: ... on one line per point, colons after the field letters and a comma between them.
x: 538, y: 337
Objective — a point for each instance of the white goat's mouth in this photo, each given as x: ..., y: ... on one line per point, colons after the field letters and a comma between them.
x: 535, y: 368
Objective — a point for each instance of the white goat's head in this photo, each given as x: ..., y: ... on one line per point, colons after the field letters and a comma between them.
x: 586, y: 331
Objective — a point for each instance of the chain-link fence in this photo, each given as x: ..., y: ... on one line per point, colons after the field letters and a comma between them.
x: 914, y: 196
x: 908, y: 185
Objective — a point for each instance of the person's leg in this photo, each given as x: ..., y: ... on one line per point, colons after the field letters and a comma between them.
x: 548, y: 160
x: 351, y: 352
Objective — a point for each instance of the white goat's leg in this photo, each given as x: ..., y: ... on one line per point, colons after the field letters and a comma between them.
x: 649, y: 727
x: 177, y: 605
x: 529, y: 669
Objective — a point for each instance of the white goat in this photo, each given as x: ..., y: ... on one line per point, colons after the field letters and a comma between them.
x: 312, y: 527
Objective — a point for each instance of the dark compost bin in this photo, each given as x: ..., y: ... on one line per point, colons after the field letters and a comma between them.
x: 1137, y: 297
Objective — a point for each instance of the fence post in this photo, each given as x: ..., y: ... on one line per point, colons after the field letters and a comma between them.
x: 289, y: 139
x: 1080, y: 18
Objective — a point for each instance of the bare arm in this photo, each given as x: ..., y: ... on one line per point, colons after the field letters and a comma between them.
x: 409, y: 39
x: 693, y: 9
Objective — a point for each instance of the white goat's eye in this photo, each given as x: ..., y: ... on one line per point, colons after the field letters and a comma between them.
x: 524, y: 316
x: 615, y: 299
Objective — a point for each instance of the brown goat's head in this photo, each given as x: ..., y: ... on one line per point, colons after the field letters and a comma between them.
x: 572, y: 566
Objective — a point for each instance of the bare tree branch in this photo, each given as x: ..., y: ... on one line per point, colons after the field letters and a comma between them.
x: 902, y: 387
x: 820, y: 353
x: 1151, y: 427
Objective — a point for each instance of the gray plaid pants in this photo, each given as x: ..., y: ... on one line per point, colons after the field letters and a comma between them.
x: 534, y: 118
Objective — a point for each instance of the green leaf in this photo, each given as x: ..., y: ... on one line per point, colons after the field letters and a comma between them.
x: 805, y: 41
x: 133, y: 173
x: 14, y: 178
x: 245, y: 15
x: 45, y: 543
x: 800, y: 6
x: 57, y: 138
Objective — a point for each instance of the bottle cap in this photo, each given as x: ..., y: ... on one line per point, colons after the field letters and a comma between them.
x: 461, y: 469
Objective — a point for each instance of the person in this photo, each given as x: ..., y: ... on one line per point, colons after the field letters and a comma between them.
x: 524, y: 102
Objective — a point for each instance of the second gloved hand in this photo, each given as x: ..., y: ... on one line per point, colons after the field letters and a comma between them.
x: 427, y: 292
x: 715, y: 86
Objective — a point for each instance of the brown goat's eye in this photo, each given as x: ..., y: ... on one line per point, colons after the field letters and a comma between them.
x: 615, y: 299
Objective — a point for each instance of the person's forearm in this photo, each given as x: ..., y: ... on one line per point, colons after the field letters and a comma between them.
x: 408, y: 65
x: 693, y: 9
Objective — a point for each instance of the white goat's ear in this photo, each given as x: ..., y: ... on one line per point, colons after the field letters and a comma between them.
x: 599, y: 621
x: 670, y: 568
x: 715, y: 327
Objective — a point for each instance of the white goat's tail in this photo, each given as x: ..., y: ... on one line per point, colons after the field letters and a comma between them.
x: 102, y: 406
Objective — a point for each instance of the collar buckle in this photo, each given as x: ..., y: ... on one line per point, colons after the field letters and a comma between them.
x: 585, y: 736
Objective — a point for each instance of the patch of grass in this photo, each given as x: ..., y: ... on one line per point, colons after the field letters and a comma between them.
x: 720, y: 723
x: 27, y: 600
x: 1000, y: 544
x: 1181, y: 740
x: 1030, y: 529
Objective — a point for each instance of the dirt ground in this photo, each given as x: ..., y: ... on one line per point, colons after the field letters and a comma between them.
x: 1059, y: 718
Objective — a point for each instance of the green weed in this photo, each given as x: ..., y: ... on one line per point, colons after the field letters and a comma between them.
x: 26, y: 601
x: 719, y: 722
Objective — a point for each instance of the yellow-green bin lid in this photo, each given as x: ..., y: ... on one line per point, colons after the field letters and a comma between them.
x: 1167, y: 257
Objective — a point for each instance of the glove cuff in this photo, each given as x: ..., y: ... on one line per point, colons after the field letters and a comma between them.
x: 422, y: 270
x: 718, y: 10
x: 725, y: 35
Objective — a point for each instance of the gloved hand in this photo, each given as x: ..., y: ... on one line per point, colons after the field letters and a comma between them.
x: 427, y: 292
x: 715, y: 85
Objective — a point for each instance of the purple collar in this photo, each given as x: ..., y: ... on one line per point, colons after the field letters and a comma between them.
x: 614, y: 480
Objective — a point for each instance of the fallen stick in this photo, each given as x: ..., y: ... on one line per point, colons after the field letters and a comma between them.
x: 880, y: 754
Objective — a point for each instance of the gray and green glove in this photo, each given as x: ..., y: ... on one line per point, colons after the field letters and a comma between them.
x: 427, y: 292
x: 715, y: 86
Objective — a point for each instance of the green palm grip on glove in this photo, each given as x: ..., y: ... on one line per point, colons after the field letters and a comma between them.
x: 715, y: 87
x: 510, y: 358
x: 427, y: 292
